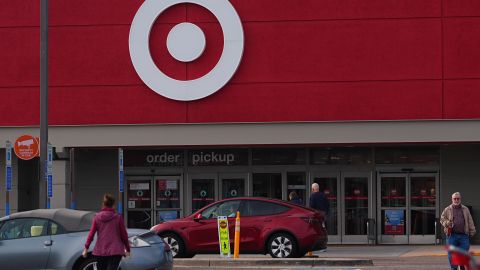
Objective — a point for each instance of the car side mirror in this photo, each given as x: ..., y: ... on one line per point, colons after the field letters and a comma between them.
x: 197, y: 217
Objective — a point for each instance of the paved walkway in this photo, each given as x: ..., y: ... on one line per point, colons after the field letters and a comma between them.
x: 379, y: 251
x: 367, y: 251
x: 336, y: 255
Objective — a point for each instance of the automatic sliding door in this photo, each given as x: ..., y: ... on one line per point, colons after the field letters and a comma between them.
x: 267, y: 185
x: 202, y: 190
x: 423, y: 201
x: 356, y: 189
x: 139, y: 202
x: 168, y: 203
x: 232, y: 185
x: 393, y: 206
x: 329, y: 185
x: 408, y: 208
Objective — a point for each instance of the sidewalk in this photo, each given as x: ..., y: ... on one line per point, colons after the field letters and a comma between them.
x: 381, y: 251
x: 336, y: 255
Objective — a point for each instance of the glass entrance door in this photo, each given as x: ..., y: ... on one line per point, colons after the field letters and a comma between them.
x: 232, y: 185
x: 422, y: 212
x: 408, y: 205
x: 206, y: 188
x: 267, y: 185
x: 152, y: 199
x: 168, y: 198
x: 329, y: 184
x: 139, y: 202
x: 203, y: 190
x: 349, y: 194
x: 393, y: 209
x: 355, y: 207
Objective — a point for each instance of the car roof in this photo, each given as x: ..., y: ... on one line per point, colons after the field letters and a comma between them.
x: 71, y: 220
x: 266, y: 199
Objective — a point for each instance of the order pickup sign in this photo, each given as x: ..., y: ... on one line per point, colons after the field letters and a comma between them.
x: 223, y: 236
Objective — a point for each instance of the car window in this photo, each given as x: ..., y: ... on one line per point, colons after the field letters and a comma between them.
x: 210, y: 212
x: 55, y: 229
x: 261, y: 208
x: 23, y: 228
x: 228, y: 208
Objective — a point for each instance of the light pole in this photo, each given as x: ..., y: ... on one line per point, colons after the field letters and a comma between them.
x: 42, y: 185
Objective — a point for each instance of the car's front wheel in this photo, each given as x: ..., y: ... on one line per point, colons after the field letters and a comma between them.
x: 282, y: 245
x: 88, y: 264
x: 176, y: 244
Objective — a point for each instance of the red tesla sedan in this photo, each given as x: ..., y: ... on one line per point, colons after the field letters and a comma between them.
x: 272, y: 226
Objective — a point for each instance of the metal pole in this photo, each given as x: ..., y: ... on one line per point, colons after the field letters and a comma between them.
x: 42, y: 185
x: 73, y: 202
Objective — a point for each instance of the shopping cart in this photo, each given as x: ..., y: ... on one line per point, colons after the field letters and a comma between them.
x: 462, y: 257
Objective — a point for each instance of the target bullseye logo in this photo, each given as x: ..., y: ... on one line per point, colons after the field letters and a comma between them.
x: 186, y: 42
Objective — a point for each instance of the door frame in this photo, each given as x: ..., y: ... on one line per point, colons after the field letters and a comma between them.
x: 155, y: 208
x: 332, y: 238
x: 408, y: 238
x: 429, y: 238
x: 227, y: 175
x: 360, y: 238
x: 340, y: 175
x: 199, y: 175
x: 139, y: 178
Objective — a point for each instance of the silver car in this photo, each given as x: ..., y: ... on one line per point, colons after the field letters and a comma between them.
x: 54, y: 239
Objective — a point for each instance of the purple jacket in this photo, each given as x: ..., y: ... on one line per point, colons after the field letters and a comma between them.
x: 112, y: 237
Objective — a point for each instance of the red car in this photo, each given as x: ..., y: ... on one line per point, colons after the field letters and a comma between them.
x: 272, y: 226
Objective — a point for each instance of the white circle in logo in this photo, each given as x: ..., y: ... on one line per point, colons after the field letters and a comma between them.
x: 203, y: 193
x: 192, y: 89
x: 186, y: 42
x: 233, y: 193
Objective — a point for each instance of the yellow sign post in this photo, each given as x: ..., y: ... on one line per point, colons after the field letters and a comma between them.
x: 223, y: 236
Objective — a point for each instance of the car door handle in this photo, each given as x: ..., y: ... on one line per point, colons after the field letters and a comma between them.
x: 267, y: 220
x: 48, y: 243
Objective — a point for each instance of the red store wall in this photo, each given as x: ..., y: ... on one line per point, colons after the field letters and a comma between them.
x: 308, y: 60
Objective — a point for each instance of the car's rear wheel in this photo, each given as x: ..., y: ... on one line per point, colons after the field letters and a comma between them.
x: 88, y: 264
x: 282, y: 245
x: 176, y: 244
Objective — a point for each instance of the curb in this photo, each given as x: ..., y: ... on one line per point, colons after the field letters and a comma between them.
x: 446, y: 254
x: 306, y: 262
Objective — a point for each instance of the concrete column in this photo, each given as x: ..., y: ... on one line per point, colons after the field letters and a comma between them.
x: 60, y: 185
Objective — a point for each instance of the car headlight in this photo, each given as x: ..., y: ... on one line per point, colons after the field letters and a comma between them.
x: 137, y: 242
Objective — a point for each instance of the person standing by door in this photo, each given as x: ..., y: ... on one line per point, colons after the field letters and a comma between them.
x: 293, y: 197
x: 319, y: 202
x: 458, y: 225
x: 112, y: 238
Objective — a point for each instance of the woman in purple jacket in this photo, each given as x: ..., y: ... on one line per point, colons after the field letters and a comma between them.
x: 112, y: 238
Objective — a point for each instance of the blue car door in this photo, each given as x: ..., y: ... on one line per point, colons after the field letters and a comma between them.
x: 24, y: 244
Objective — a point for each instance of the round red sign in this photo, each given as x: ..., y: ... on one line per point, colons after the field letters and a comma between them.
x: 26, y: 147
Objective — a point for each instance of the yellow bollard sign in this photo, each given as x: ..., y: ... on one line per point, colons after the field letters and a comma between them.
x: 223, y: 236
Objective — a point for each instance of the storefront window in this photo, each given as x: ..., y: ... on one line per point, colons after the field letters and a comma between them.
x: 278, y: 156
x: 341, y: 155
x: 407, y: 155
